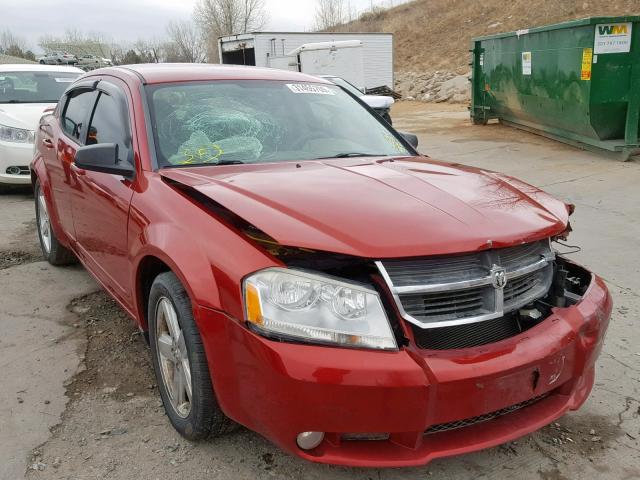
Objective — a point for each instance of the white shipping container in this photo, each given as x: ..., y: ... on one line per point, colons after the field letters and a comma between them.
x: 271, y: 49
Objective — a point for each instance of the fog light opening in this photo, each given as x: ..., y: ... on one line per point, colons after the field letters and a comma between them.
x: 309, y: 440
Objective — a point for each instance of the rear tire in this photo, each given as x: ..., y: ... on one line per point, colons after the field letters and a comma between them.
x: 41, y: 62
x: 180, y: 363
x: 52, y: 250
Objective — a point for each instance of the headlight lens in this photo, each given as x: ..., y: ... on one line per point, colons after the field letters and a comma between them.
x: 316, y: 308
x: 17, y: 135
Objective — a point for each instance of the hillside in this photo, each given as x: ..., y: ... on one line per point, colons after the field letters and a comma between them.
x: 432, y: 35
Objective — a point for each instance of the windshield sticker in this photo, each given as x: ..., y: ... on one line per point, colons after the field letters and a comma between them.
x: 64, y: 80
x: 310, y: 88
x: 204, y: 154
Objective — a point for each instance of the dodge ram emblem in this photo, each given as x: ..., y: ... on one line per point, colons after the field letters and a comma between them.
x: 499, y: 277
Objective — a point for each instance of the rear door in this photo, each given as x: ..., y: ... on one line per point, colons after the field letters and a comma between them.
x: 100, y: 201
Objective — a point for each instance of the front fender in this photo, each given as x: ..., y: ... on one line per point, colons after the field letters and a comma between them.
x: 209, y: 257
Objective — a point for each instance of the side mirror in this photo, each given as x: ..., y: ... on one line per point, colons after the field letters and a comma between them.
x: 411, y: 138
x: 103, y: 157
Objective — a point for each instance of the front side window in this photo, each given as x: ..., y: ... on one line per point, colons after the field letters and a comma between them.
x: 107, y: 125
x: 253, y: 121
x: 34, y: 87
x: 77, y: 112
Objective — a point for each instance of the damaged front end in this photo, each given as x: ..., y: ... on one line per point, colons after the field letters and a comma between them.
x: 481, y: 348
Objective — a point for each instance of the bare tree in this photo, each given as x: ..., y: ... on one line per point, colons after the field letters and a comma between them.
x: 10, y: 41
x: 152, y: 50
x: 216, y: 18
x: 187, y: 40
x: 225, y: 17
x: 329, y: 14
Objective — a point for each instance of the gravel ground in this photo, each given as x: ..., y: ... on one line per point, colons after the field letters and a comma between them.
x: 108, y: 421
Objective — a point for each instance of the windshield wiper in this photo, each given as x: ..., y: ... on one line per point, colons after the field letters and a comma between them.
x: 229, y: 162
x: 353, y: 154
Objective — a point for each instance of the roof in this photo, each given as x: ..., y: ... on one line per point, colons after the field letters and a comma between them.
x: 152, y: 73
x: 559, y: 26
x: 4, y: 59
x: 235, y: 35
x: 35, y: 67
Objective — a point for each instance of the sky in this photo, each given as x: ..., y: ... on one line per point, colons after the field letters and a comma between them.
x: 125, y: 21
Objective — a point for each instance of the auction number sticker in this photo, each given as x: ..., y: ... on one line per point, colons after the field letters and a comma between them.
x: 310, y: 88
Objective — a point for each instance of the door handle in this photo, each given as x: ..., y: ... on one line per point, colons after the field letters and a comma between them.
x: 47, y: 142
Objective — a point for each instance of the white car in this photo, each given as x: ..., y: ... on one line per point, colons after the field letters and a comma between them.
x: 58, y: 58
x: 93, y: 61
x: 380, y: 103
x: 25, y: 92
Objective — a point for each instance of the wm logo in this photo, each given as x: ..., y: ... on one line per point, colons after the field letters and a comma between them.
x: 612, y: 29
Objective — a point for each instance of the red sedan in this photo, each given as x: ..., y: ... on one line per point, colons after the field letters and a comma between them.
x: 300, y: 269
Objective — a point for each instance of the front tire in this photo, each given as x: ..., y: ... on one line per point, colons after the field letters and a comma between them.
x: 52, y: 250
x: 180, y: 364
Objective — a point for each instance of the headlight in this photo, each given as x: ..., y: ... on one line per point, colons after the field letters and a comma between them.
x: 17, y: 135
x: 316, y: 308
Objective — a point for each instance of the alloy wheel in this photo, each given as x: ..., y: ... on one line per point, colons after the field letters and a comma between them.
x: 44, y: 223
x: 173, y: 357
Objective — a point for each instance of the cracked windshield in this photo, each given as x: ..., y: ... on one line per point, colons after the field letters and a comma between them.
x: 259, y: 122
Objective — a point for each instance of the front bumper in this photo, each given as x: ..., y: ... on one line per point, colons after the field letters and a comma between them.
x: 282, y: 389
x: 15, y: 155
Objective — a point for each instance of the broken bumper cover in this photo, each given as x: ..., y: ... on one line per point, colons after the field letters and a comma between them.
x: 432, y: 404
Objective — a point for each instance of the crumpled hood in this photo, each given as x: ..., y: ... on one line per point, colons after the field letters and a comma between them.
x: 22, y: 115
x: 378, y: 208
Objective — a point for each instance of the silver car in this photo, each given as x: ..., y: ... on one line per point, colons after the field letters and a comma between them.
x: 93, y: 61
x: 58, y: 58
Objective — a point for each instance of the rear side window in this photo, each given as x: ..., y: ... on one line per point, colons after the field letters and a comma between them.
x: 76, y: 112
x: 108, y: 126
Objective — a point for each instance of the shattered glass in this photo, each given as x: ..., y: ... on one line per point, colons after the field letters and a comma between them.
x: 217, y: 129
x: 261, y: 121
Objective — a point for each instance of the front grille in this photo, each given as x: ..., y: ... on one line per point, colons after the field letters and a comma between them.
x: 468, y: 335
x: 448, y: 305
x: 523, y: 290
x: 467, y: 422
x: 442, y: 292
x: 435, y: 270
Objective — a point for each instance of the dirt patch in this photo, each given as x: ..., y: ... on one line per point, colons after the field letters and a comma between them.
x: 585, y: 435
x: 117, y: 359
x: 23, y: 247
x: 12, y: 258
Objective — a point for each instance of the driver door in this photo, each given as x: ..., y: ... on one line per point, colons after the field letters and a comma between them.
x: 100, y: 201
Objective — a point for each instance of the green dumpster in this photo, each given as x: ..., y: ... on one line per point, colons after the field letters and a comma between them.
x: 577, y: 82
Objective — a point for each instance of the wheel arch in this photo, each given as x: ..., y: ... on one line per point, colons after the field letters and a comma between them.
x: 38, y: 173
x: 154, y: 261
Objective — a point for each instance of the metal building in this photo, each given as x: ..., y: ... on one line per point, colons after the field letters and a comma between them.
x: 267, y: 49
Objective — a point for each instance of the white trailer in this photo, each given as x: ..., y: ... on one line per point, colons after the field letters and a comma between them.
x: 274, y: 49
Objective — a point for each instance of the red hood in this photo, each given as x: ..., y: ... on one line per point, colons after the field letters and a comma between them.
x: 378, y: 208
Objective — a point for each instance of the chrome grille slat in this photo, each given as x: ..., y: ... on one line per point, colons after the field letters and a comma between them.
x: 440, y: 292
